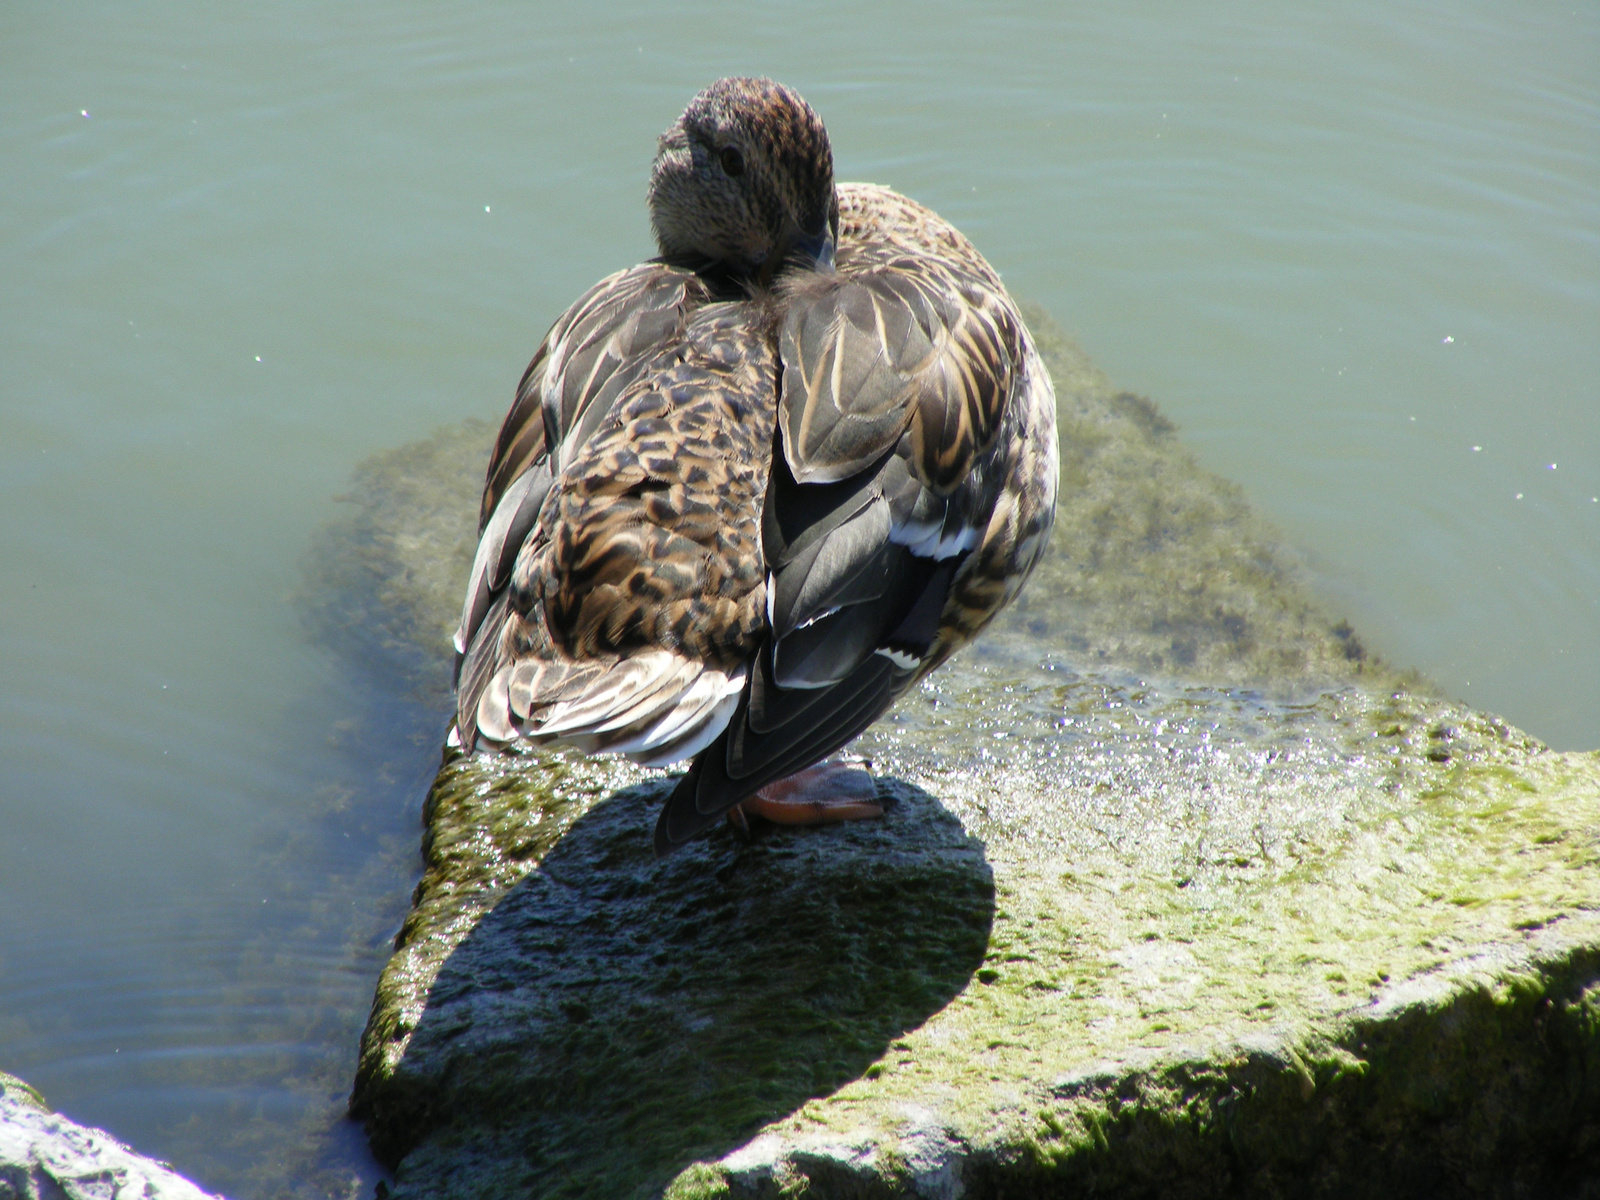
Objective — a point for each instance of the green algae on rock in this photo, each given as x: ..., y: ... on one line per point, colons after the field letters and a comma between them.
x: 1180, y: 892
x: 656, y: 1009
x: 382, y: 581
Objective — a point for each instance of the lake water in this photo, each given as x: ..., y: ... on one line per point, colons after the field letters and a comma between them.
x: 1354, y: 253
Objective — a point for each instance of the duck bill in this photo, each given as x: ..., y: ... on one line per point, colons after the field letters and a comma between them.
x: 814, y: 250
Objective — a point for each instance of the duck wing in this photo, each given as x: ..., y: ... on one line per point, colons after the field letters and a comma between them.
x: 895, y: 386
x: 638, y: 597
x: 595, y: 351
x: 599, y: 348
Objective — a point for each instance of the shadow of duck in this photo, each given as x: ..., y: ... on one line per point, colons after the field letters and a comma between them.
x: 615, y: 1018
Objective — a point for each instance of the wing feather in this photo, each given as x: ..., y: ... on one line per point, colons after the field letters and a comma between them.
x: 896, y: 376
x: 598, y: 348
x: 498, y: 545
x: 592, y: 353
x: 633, y: 690
x: 909, y: 346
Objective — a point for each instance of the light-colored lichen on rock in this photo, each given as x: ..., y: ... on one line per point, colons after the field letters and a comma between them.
x: 44, y: 1156
x: 1210, y: 902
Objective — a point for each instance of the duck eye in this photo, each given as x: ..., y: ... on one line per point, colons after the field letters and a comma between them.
x: 732, y: 161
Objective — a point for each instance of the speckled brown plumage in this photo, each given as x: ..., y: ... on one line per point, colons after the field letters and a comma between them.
x: 750, y: 493
x: 651, y: 540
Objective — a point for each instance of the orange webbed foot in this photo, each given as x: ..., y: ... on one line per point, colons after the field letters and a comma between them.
x: 827, y: 792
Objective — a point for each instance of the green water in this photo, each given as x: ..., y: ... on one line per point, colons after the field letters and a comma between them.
x: 241, y: 250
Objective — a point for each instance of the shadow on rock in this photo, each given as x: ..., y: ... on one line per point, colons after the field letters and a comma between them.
x: 612, y: 1018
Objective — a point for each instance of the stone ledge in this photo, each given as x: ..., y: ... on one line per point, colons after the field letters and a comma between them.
x: 1362, y: 1015
x: 44, y: 1156
x: 1181, y: 892
x: 1441, y: 1086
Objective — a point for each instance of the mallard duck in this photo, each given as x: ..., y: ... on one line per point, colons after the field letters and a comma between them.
x: 752, y: 490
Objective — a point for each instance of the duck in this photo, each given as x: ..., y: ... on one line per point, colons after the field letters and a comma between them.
x: 751, y: 491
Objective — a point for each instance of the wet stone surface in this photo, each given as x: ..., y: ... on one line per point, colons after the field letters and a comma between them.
x: 1179, y: 892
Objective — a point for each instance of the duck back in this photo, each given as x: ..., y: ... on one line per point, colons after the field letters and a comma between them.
x: 736, y: 530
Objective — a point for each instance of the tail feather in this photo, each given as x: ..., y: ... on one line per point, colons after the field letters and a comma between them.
x: 742, y: 761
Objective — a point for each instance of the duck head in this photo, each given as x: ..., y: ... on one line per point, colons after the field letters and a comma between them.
x: 743, y: 182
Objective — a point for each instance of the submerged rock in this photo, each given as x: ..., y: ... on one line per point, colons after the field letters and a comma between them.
x: 1180, y: 892
x: 44, y: 1156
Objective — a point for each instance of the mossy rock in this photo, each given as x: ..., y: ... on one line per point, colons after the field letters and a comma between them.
x: 1180, y: 892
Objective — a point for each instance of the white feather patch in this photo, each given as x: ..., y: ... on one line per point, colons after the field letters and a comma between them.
x: 494, y: 709
x: 697, y: 739
x: 928, y: 539
x: 688, y: 715
x: 812, y: 620
x: 906, y: 662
